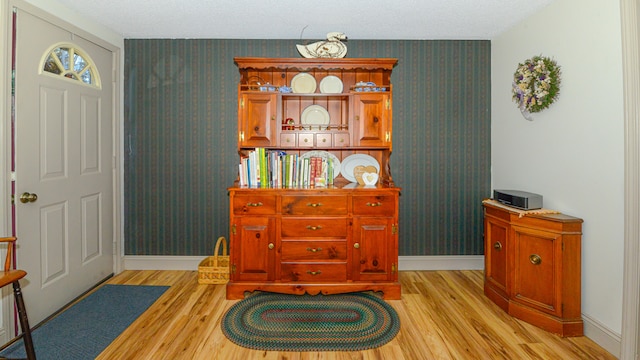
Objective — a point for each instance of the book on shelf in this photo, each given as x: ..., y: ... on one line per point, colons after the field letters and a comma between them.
x: 263, y: 168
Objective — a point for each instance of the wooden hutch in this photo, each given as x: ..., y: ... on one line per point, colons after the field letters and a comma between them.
x: 335, y: 238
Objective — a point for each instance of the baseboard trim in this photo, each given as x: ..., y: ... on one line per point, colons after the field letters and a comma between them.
x: 444, y: 262
x: 602, y: 335
x: 405, y: 263
x: 594, y: 330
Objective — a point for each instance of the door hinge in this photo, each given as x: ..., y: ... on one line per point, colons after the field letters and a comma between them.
x: 394, y: 229
x: 388, y: 104
x: 233, y: 268
x: 242, y: 103
x: 233, y: 229
x: 393, y: 268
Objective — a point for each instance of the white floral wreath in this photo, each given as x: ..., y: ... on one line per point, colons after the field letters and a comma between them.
x: 536, y: 84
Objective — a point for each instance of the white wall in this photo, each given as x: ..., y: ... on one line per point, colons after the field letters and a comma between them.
x: 573, y: 152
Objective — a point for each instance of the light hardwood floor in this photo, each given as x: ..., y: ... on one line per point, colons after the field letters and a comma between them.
x: 443, y: 315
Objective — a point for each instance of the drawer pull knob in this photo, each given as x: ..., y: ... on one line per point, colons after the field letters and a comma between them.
x: 313, y: 250
x: 254, y: 204
x: 535, y: 259
x: 374, y: 204
x: 314, y: 272
x: 356, y: 245
x: 497, y: 246
x: 314, y: 204
x: 317, y: 227
x: 271, y: 246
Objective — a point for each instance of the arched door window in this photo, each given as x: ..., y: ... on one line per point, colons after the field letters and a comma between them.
x: 70, y: 62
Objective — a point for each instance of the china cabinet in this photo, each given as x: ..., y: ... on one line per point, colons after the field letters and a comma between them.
x: 336, y: 233
x: 533, y: 267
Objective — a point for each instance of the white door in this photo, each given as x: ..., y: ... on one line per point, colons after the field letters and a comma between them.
x: 63, y: 155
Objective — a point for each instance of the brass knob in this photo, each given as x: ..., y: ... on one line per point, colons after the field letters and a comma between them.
x: 314, y: 204
x: 497, y: 246
x: 310, y: 227
x: 535, y: 259
x: 313, y: 250
x: 356, y: 245
x: 254, y: 204
x: 26, y: 198
x: 314, y: 272
x: 271, y: 246
x: 374, y: 204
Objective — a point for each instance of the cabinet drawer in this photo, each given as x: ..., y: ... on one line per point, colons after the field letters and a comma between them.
x: 305, y: 140
x: 254, y: 204
x: 316, y: 272
x: 314, y: 227
x: 341, y: 139
x: 288, y: 140
x: 314, y: 250
x: 323, y: 140
x: 314, y: 205
x: 374, y: 205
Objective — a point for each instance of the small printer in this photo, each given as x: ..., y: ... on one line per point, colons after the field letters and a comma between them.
x: 518, y: 199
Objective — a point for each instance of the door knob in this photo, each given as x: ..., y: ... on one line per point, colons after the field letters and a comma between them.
x: 26, y: 197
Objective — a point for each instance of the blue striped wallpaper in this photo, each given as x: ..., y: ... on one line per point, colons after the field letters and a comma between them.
x: 180, y: 140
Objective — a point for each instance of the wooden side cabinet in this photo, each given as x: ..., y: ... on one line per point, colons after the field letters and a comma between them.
x: 533, y: 267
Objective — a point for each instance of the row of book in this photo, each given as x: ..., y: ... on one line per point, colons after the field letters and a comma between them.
x: 263, y: 168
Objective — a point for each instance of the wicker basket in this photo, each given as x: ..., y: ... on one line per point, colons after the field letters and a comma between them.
x: 215, y: 269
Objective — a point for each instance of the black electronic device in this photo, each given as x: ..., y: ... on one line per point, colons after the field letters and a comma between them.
x: 518, y: 199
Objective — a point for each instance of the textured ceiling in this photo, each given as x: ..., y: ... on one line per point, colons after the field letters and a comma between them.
x: 306, y: 19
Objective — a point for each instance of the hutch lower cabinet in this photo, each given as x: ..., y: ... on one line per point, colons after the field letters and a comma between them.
x: 338, y: 232
x: 314, y: 241
x: 533, y: 267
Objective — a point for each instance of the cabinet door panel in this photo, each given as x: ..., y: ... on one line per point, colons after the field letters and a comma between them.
x: 374, y: 249
x: 535, y: 273
x: 257, y: 123
x: 495, y: 251
x: 372, y: 120
x: 254, y: 254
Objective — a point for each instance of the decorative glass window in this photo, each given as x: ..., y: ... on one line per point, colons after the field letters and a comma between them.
x: 72, y: 63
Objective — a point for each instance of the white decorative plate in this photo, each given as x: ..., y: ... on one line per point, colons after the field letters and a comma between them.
x: 315, y: 115
x: 350, y: 162
x: 303, y: 83
x: 325, y: 155
x: 331, y: 85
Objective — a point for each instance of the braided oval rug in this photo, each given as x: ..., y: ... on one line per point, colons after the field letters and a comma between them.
x: 342, y: 322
